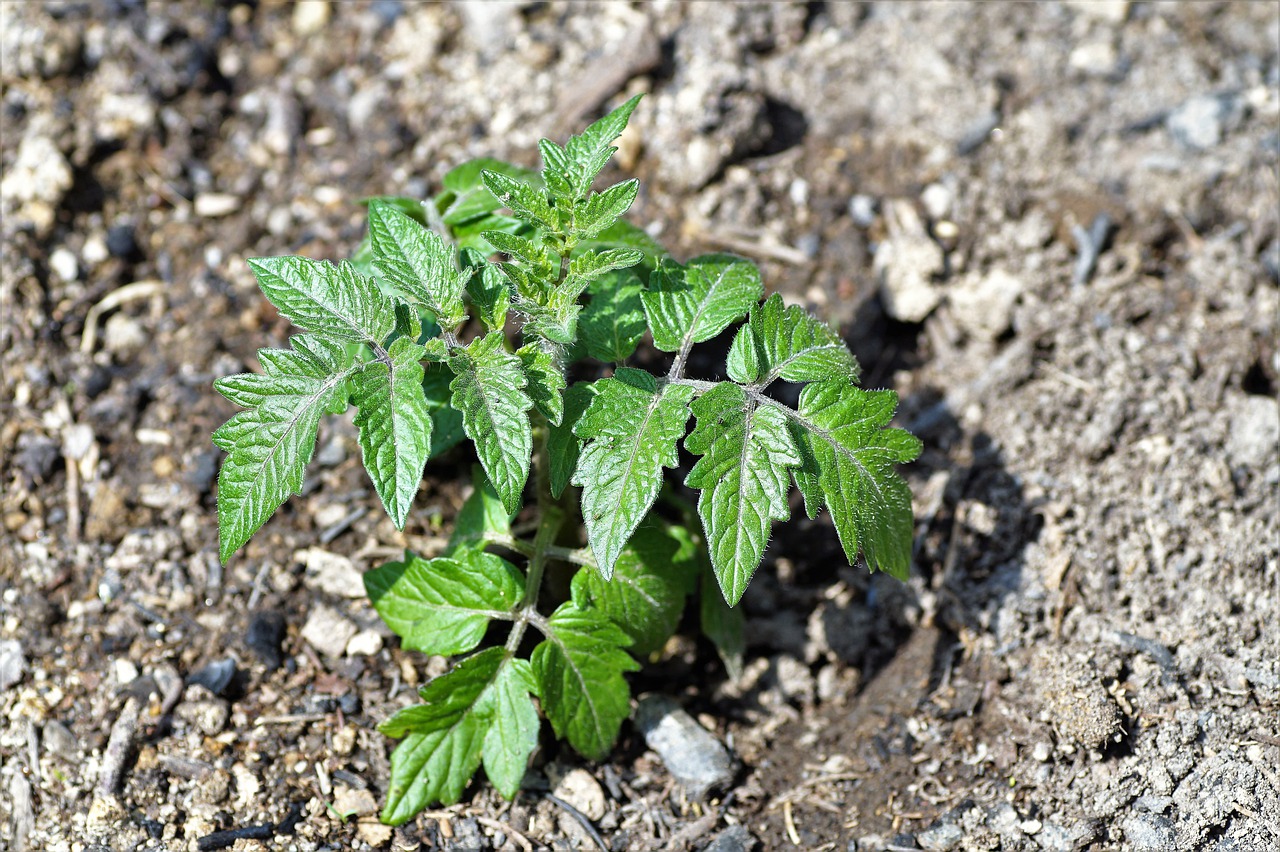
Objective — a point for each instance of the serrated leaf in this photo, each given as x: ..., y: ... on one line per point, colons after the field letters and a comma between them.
x: 269, y: 445
x: 336, y: 301
x: 490, y: 293
x: 580, y: 667
x: 488, y: 389
x: 522, y: 199
x: 481, y: 515
x: 602, y: 209
x: 847, y: 462
x: 613, y: 321
x: 743, y: 363
x: 563, y: 446
x: 466, y: 199
x: 589, y: 266
x: 444, y: 605
x: 416, y: 262
x: 546, y: 381
x: 794, y: 346
x: 394, y: 425
x: 646, y: 594
x: 513, y: 726
x: 746, y: 452
x: 631, y: 428
x: 443, y: 738
x: 623, y: 234
x: 543, y: 263
x: 590, y: 151
x: 557, y: 170
x: 724, y: 625
x: 694, y: 303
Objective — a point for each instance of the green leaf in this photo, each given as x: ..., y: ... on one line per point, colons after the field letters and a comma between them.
x: 481, y: 514
x: 394, y: 424
x: 646, y: 594
x: 489, y: 391
x: 488, y: 290
x: 579, y: 667
x: 269, y: 445
x: 743, y: 362
x: 613, y: 322
x: 332, y: 300
x: 690, y: 304
x: 417, y: 263
x: 588, y: 153
x: 790, y: 344
x: 544, y: 265
x: 602, y: 209
x: 589, y: 266
x: 631, y: 428
x: 848, y: 460
x: 444, y: 605
x: 466, y: 199
x: 446, y: 421
x: 443, y: 737
x: 545, y: 381
x: 513, y: 725
x: 623, y: 234
x: 746, y: 452
x: 557, y: 170
x: 563, y: 446
x: 723, y: 625
x: 522, y: 199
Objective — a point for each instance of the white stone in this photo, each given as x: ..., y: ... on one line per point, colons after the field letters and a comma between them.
x: 328, y: 631
x: 124, y: 334
x: 331, y: 573
x: 211, y: 205
x: 64, y: 264
x: 983, y: 304
x: 1254, y: 439
x: 310, y: 17
x: 907, y: 263
x: 1097, y: 58
x: 366, y: 643
x: 582, y: 791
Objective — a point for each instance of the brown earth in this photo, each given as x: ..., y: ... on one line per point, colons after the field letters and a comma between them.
x: 1087, y: 655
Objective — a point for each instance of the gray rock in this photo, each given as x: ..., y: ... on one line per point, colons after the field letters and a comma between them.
x: 12, y: 663
x: 1202, y: 122
x: 942, y: 837
x: 1149, y: 832
x: 983, y: 305
x: 1254, y: 440
x: 58, y: 740
x: 907, y: 264
x: 692, y: 754
x: 735, y: 838
x: 331, y: 573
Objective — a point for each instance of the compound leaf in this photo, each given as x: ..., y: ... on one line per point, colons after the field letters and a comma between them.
x: 646, y: 594
x: 444, y: 605
x: 488, y: 389
x: 443, y: 737
x: 631, y: 428
x: 579, y: 667
x: 416, y: 262
x: 336, y: 301
x: 466, y: 200
x: 693, y: 303
x: 747, y: 452
x: 546, y: 381
x: 613, y: 321
x: 791, y: 345
x: 395, y: 425
x: 847, y: 463
x: 563, y: 446
x: 270, y: 444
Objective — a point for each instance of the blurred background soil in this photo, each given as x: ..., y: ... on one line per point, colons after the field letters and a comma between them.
x: 1051, y: 227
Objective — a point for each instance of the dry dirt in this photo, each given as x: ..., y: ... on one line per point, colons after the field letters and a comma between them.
x: 1051, y: 227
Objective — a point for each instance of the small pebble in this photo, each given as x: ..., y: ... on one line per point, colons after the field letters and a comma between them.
x: 121, y: 241
x: 366, y: 643
x: 328, y: 631
x: 211, y: 205
x: 331, y: 573
x: 581, y: 790
x: 64, y: 264
x: 265, y: 636
x: 11, y: 663
x: 690, y: 752
x: 216, y: 676
x: 862, y: 210
x: 735, y: 838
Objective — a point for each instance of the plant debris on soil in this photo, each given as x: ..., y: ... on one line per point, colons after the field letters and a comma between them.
x: 1051, y: 227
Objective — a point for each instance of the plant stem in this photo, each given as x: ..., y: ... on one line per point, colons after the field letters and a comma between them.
x: 550, y: 519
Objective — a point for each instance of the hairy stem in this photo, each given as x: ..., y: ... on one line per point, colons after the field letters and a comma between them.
x: 550, y: 519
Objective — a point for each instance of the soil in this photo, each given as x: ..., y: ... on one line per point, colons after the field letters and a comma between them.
x: 1051, y: 227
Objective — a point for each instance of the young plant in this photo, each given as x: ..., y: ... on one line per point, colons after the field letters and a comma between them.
x: 457, y: 319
